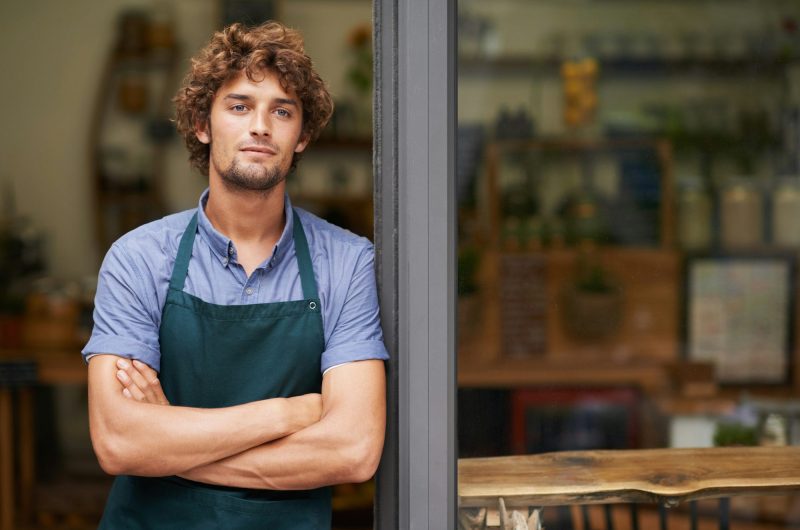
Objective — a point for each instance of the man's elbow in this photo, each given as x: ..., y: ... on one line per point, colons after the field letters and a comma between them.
x: 365, y: 457
x: 117, y: 454
x: 110, y: 454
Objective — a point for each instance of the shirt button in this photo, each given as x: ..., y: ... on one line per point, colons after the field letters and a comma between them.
x: 225, y: 261
x: 249, y: 290
x: 230, y: 251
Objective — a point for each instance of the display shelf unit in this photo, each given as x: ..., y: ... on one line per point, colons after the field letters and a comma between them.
x: 130, y: 130
x: 649, y: 277
x: 586, y: 149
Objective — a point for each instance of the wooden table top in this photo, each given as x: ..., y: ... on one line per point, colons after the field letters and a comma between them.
x: 649, y: 475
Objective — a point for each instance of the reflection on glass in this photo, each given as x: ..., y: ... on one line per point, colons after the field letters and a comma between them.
x: 600, y: 151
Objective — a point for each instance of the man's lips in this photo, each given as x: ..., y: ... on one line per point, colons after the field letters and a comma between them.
x: 258, y: 149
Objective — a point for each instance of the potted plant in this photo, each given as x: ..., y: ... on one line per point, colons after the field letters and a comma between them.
x: 592, y: 304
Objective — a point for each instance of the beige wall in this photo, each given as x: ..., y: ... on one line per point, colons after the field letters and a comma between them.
x: 52, y: 54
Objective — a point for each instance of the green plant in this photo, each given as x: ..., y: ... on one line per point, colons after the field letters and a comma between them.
x: 728, y: 434
x: 469, y: 259
x: 592, y: 277
x: 360, y: 72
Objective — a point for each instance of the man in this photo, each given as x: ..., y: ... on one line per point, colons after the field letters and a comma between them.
x: 236, y: 362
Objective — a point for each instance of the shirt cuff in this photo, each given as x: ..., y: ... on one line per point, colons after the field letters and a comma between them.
x: 328, y: 369
x: 123, y: 347
x: 353, y: 351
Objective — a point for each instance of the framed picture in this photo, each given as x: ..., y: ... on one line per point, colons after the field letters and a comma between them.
x: 740, y: 316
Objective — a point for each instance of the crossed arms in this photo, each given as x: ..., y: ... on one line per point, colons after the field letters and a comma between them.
x: 301, y: 442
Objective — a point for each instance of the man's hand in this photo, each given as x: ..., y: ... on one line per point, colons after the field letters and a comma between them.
x: 140, y: 382
x: 306, y: 410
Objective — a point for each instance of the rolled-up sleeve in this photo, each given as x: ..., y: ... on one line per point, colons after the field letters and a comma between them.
x: 125, y: 315
x: 357, y: 334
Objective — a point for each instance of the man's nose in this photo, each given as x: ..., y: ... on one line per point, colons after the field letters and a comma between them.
x: 260, y: 124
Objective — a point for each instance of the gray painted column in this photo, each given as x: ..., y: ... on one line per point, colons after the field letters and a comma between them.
x: 415, y: 204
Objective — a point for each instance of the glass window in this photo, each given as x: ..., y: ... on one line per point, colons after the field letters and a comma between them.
x: 628, y: 179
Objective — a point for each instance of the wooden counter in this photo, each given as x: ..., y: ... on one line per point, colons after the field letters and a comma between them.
x: 651, y: 475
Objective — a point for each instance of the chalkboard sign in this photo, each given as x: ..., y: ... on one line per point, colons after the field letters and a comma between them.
x: 523, y: 304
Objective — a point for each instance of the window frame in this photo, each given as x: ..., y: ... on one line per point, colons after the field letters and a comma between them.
x: 415, y: 238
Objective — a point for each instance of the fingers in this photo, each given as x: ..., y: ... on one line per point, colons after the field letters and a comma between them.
x: 130, y: 372
x: 140, y: 381
x: 131, y: 391
x: 157, y: 393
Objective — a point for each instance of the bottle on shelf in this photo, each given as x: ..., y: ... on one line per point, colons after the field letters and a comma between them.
x: 694, y: 215
x: 786, y: 212
x: 742, y: 213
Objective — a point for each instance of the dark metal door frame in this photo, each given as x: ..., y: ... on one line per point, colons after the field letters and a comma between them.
x: 415, y: 214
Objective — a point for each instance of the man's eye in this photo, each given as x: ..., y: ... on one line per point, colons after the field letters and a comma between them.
x: 239, y: 108
x: 283, y: 113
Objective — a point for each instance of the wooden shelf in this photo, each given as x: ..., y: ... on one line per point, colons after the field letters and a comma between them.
x: 516, y: 373
x: 53, y: 366
x: 526, y: 65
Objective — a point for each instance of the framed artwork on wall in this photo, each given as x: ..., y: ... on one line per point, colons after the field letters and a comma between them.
x: 740, y: 316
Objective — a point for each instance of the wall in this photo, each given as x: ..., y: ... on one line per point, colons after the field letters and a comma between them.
x: 52, y: 54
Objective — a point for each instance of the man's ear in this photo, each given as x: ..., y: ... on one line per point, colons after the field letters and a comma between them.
x: 202, y: 133
x: 301, y: 144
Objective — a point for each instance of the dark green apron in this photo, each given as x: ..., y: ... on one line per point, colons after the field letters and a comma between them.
x: 219, y: 356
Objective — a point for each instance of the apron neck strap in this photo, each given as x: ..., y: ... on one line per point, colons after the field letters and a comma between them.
x: 303, y: 259
x: 181, y: 267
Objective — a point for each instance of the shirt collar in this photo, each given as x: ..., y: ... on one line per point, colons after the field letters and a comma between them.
x: 222, y: 245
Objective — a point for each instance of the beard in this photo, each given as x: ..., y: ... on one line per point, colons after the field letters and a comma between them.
x: 252, y: 177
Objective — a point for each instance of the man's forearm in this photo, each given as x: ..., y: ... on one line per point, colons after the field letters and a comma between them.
x: 153, y: 440
x: 136, y: 438
x: 322, y: 454
x: 344, y: 446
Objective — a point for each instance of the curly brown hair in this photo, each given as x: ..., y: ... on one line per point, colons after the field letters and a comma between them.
x: 270, y: 46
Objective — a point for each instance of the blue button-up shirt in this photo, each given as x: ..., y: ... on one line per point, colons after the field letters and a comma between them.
x: 134, y: 279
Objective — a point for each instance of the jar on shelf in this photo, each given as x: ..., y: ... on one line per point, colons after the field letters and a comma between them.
x: 741, y: 213
x: 786, y: 212
x: 694, y: 215
x: 511, y: 236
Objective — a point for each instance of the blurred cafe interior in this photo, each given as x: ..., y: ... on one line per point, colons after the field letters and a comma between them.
x: 628, y: 180
x: 628, y: 184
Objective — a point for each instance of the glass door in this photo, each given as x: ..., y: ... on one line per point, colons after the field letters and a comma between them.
x: 626, y: 173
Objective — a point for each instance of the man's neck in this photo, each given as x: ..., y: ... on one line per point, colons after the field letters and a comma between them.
x: 247, y: 217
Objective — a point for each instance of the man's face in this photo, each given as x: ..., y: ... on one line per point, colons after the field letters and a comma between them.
x: 254, y: 130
